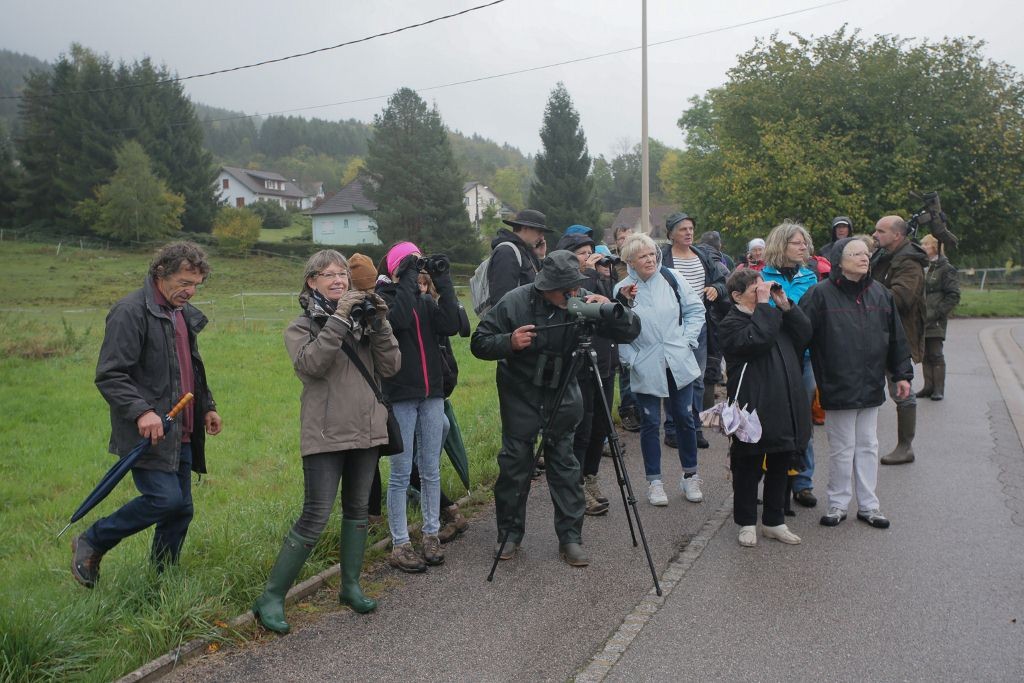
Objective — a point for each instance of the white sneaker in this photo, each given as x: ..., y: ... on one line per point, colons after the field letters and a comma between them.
x: 656, y: 494
x: 748, y: 536
x: 691, y: 488
x: 780, y: 533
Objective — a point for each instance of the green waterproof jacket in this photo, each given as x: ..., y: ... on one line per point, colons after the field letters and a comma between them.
x: 942, y: 294
x: 901, y: 271
x: 528, y: 380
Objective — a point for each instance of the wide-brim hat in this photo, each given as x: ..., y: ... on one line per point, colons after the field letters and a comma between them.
x: 529, y: 218
x: 559, y: 270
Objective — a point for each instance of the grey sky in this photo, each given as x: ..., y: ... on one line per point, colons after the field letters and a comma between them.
x: 190, y: 36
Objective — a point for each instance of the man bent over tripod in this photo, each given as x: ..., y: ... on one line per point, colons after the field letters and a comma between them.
x: 532, y: 336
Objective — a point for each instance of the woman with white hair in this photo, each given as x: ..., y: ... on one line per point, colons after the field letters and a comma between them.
x: 661, y: 361
x: 755, y: 255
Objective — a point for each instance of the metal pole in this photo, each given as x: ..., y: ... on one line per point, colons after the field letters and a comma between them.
x: 645, y: 173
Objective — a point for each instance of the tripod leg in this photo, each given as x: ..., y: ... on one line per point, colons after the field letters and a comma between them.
x: 625, y: 487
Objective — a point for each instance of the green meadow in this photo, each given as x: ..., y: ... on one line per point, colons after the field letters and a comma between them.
x: 55, y: 430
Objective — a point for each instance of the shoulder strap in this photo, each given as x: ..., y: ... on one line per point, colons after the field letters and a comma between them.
x: 739, y: 385
x: 519, y: 256
x: 351, y: 353
x: 667, y: 274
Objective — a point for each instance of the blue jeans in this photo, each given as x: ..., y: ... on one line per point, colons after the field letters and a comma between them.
x: 678, y: 404
x: 423, y: 417
x: 166, y: 501
x: 697, y: 402
x: 804, y: 479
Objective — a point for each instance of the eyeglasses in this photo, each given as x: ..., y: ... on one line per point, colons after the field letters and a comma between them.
x: 333, y: 276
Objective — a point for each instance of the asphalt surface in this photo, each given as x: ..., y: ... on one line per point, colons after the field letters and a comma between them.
x: 939, y: 596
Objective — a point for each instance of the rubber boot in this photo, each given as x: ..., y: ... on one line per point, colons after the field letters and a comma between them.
x: 906, y: 426
x: 269, y: 607
x: 939, y: 380
x: 353, y: 544
x: 928, y: 371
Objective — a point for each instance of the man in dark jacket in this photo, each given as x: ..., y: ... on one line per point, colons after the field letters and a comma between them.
x: 150, y: 358
x: 516, y: 264
x: 525, y: 333
x: 899, y: 266
x: 707, y: 278
x: 857, y: 342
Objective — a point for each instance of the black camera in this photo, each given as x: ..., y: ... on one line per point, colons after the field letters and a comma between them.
x: 363, y: 312
x: 433, y: 265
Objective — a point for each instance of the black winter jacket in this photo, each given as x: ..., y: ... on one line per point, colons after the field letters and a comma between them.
x: 857, y: 338
x: 417, y: 321
x: 771, y: 344
x: 505, y: 272
x: 138, y: 371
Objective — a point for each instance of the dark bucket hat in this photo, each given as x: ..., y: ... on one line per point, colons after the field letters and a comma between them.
x: 677, y: 218
x: 559, y: 270
x: 529, y: 218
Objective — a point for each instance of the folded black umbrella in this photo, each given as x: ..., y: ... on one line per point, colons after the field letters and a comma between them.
x: 121, y: 467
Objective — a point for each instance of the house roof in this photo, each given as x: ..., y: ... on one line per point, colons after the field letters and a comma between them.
x: 629, y: 216
x: 349, y: 199
x: 253, y: 180
x: 466, y: 187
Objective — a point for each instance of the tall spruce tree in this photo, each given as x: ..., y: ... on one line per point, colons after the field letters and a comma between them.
x: 68, y: 137
x: 9, y: 180
x: 563, y: 188
x: 415, y: 182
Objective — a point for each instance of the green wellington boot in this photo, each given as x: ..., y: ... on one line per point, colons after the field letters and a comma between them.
x: 906, y: 427
x: 269, y: 607
x: 353, y: 543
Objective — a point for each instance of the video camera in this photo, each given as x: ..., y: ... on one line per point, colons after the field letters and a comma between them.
x: 437, y: 264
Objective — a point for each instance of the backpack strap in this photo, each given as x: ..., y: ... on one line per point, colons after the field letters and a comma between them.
x: 519, y: 255
x: 674, y: 284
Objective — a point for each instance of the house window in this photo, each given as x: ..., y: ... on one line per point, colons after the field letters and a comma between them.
x: 225, y: 182
x: 346, y: 224
x: 465, y: 200
x: 239, y: 202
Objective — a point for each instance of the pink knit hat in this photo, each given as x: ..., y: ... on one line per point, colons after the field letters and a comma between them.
x: 399, y: 252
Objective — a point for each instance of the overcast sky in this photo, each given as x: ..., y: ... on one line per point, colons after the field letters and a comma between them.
x: 192, y: 36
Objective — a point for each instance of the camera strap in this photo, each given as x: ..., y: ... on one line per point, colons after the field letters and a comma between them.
x: 352, y: 356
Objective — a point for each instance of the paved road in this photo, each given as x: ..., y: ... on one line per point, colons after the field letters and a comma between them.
x: 939, y: 596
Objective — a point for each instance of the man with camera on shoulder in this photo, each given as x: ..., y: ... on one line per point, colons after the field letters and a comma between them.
x: 532, y: 335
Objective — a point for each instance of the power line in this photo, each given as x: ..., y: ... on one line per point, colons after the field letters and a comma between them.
x: 177, y: 79
x: 517, y: 72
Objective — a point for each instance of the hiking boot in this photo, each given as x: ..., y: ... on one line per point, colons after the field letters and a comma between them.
x: 572, y: 554
x: 590, y: 484
x: 874, y: 517
x: 508, y: 553
x: 690, y: 486
x: 630, y: 422
x: 85, y: 561
x: 432, y: 553
x: 833, y: 517
x: 405, y: 558
x: 592, y: 506
x: 806, y: 498
x: 748, y: 536
x: 780, y: 533
x: 656, y: 493
x: 452, y: 515
x: 447, y: 533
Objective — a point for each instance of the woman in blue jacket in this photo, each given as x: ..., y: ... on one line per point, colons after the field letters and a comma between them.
x: 787, y: 250
x: 662, y: 362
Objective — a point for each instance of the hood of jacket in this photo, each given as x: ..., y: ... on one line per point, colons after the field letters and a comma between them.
x: 839, y: 220
x: 506, y: 235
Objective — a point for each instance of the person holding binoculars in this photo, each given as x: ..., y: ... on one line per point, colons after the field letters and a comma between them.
x: 342, y: 424
x: 416, y: 394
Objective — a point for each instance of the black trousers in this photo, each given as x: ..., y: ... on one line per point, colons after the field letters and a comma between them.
x: 746, y: 474
x: 588, y: 444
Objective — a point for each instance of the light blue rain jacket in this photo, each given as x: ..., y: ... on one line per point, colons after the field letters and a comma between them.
x: 663, y: 342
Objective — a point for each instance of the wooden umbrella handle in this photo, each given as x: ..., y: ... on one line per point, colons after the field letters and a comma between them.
x: 185, y: 400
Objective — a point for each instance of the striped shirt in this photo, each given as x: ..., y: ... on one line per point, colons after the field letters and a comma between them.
x: 692, y: 271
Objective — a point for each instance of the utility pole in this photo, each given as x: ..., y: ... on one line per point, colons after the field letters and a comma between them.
x: 476, y: 207
x: 645, y: 173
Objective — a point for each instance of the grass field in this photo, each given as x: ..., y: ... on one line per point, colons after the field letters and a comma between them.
x: 300, y: 224
x: 56, y: 427
x: 991, y: 303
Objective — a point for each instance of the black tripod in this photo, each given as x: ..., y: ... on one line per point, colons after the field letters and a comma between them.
x: 584, y: 353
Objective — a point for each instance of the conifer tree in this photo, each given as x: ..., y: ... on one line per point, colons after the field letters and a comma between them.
x: 563, y: 188
x: 415, y: 181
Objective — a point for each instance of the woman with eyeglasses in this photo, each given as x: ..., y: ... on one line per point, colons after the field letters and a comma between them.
x: 342, y: 425
x: 786, y: 252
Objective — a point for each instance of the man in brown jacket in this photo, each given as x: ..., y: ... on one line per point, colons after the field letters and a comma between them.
x: 899, y: 266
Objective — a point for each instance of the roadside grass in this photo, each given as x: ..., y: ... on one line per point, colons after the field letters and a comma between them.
x: 56, y: 428
x: 990, y: 303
